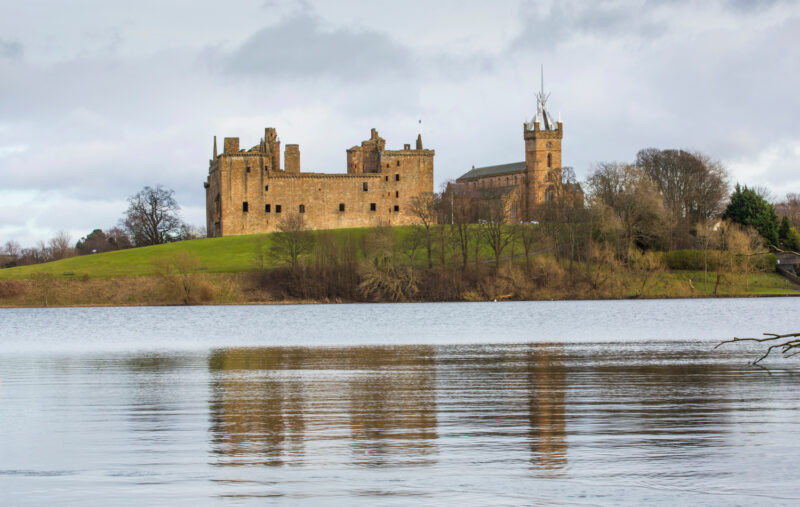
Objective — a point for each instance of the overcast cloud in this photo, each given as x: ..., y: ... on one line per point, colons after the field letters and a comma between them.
x: 98, y: 99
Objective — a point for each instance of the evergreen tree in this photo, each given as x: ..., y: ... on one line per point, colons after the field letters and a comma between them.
x: 790, y: 239
x: 749, y: 208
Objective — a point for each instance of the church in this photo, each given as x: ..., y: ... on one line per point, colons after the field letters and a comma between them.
x: 538, y: 179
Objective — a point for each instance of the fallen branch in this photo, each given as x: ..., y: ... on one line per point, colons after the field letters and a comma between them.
x: 791, y: 342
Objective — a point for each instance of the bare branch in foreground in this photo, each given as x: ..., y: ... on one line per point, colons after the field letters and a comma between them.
x: 791, y: 342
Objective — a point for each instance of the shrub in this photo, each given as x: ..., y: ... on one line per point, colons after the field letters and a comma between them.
x: 10, y: 289
x: 692, y: 260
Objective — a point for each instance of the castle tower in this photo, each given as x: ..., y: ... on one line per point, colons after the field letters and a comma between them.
x: 273, y: 149
x: 542, y: 156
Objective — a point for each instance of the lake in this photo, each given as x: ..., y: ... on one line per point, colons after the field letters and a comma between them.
x: 571, y: 402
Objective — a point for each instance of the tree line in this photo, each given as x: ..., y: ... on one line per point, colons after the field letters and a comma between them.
x: 615, y: 242
x: 152, y: 218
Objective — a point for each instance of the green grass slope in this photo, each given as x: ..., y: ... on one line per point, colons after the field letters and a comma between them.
x: 231, y: 254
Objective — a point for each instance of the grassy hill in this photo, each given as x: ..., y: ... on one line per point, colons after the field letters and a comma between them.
x: 232, y: 254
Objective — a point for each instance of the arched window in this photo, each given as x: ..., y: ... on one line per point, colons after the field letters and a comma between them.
x: 549, y: 160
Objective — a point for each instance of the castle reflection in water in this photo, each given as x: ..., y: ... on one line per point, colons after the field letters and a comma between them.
x: 376, y: 406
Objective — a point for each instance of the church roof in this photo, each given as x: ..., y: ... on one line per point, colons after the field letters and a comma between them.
x: 492, y: 170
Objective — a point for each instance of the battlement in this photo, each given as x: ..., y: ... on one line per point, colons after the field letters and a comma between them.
x: 533, y: 131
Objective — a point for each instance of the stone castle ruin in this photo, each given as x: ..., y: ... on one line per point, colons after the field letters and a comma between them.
x: 247, y: 191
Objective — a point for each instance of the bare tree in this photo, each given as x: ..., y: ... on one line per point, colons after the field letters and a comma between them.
x: 423, y: 206
x: 693, y: 187
x: 60, y: 246
x: 494, y: 213
x: 152, y: 217
x: 459, y: 209
x: 633, y: 197
x: 292, y: 241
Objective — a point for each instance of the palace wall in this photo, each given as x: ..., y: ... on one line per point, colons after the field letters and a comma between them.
x: 245, y: 195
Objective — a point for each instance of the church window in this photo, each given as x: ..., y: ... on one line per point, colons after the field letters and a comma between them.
x: 244, y: 206
x: 341, y: 206
x: 365, y: 186
x: 277, y: 208
x: 302, y: 208
x: 396, y: 177
x: 372, y: 206
x: 397, y: 208
x: 549, y: 160
x: 267, y: 208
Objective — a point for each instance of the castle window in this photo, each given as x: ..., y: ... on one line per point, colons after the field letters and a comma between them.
x: 247, y: 168
x: 365, y: 186
x: 277, y: 208
x: 396, y: 193
x: 244, y: 206
x: 372, y: 206
x: 341, y: 206
x: 267, y: 208
x: 397, y: 208
x: 387, y: 178
x: 266, y: 187
x: 302, y: 208
x: 549, y: 160
x: 396, y: 177
x: 398, y: 163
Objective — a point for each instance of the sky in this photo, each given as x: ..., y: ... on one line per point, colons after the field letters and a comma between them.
x: 99, y: 99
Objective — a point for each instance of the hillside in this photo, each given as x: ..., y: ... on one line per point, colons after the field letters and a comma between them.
x: 232, y: 254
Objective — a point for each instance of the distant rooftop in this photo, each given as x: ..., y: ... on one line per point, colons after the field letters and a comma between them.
x: 493, y: 170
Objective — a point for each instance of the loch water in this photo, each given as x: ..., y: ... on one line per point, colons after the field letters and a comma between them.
x: 574, y: 402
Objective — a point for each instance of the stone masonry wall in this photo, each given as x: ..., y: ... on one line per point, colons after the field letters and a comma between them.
x: 369, y: 199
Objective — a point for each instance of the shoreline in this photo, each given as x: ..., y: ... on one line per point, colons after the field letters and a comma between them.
x: 290, y: 302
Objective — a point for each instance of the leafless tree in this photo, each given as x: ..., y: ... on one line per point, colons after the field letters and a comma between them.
x: 292, y: 240
x: 634, y: 198
x: 459, y: 210
x: 693, y: 187
x: 152, y: 217
x: 423, y: 207
x: 493, y: 229
x: 60, y: 246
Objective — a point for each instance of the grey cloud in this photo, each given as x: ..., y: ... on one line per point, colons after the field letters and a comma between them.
x: 10, y: 50
x: 565, y: 20
x: 300, y: 47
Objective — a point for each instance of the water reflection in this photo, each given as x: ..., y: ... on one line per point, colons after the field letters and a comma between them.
x: 638, y: 423
x: 546, y: 413
x: 269, y: 404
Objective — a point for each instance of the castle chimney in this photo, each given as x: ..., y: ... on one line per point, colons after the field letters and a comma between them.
x: 215, y: 147
x: 419, y: 141
x: 292, y: 158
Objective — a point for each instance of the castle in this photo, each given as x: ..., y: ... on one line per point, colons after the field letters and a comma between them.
x: 529, y: 184
x: 247, y: 191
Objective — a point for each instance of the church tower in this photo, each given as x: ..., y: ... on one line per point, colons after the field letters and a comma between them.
x: 542, y: 156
